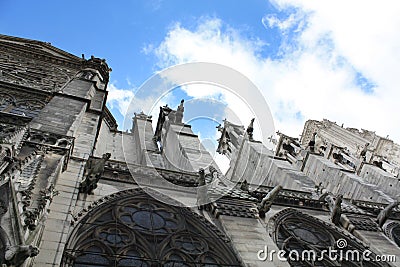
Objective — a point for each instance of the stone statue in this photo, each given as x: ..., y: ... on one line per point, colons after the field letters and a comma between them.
x: 223, y: 145
x: 202, y: 197
x: 180, y: 107
x: 213, y: 172
x: 311, y: 144
x: 179, y: 112
x: 363, y: 153
x: 244, y: 186
x: 318, y: 188
x: 267, y: 201
x: 379, y: 164
x: 30, y: 219
x: 94, y: 168
x: 289, y: 148
x: 386, y: 212
x: 16, y: 255
x: 335, y: 207
x: 250, y: 129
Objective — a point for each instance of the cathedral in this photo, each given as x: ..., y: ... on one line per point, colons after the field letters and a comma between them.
x: 77, y: 191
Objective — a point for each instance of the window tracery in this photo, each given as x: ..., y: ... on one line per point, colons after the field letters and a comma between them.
x: 19, y: 105
x: 392, y: 230
x: 295, y: 232
x: 136, y: 230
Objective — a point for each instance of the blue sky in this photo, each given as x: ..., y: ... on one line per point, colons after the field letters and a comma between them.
x: 310, y: 59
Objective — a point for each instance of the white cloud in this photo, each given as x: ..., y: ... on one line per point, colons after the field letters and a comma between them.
x: 316, y: 76
x: 123, y: 100
x: 119, y: 98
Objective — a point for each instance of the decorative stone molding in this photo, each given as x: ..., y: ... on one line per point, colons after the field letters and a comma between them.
x: 234, y: 207
x: 362, y: 222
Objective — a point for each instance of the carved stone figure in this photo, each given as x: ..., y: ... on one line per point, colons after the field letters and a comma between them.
x: 379, y: 164
x: 244, y: 186
x: 318, y: 188
x: 386, y: 212
x: 202, y: 197
x: 335, y: 207
x: 363, y: 153
x: 250, y: 129
x: 267, y: 201
x: 223, y: 147
x: 94, y: 168
x: 179, y: 112
x: 289, y: 148
x: 16, y: 255
x: 311, y: 144
x: 30, y: 218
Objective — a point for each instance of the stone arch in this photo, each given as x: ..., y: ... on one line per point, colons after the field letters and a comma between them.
x: 392, y: 230
x: 130, y: 228
x: 296, y: 232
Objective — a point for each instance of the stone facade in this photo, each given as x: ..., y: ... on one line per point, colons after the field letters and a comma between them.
x: 76, y: 191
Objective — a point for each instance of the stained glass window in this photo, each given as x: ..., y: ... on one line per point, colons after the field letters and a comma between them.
x: 298, y: 234
x: 136, y: 230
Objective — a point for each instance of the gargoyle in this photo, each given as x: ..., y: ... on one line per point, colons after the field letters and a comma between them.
x: 335, y: 208
x: 267, y: 201
x: 385, y: 213
x: 16, y: 255
x: 94, y: 168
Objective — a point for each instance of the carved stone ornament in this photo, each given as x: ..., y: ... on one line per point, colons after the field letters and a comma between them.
x: 386, y: 212
x: 202, y: 195
x: 94, y: 168
x: 267, y: 201
x: 335, y: 207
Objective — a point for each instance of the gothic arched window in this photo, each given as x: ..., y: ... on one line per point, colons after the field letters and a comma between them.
x: 300, y: 235
x: 133, y: 229
x: 392, y: 230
